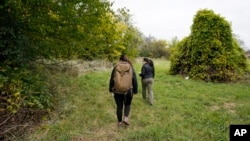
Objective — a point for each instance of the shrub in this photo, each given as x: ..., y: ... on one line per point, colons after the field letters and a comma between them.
x: 210, y: 52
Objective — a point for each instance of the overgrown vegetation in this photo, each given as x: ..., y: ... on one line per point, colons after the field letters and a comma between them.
x: 33, y: 30
x: 183, y: 110
x: 210, y: 52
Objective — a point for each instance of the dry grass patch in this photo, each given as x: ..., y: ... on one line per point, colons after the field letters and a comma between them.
x: 230, y: 107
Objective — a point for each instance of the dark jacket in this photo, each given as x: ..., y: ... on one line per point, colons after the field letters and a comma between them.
x: 147, y: 71
x: 134, y: 81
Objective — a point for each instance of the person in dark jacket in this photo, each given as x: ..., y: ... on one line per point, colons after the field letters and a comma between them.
x: 123, y: 100
x: 147, y: 78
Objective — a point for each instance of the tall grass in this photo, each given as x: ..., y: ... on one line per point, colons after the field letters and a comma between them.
x: 183, y: 110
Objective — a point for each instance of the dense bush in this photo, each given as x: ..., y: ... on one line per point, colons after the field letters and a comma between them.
x: 210, y: 52
x: 30, y: 30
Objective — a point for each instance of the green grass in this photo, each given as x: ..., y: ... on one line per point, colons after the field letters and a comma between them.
x: 184, y: 110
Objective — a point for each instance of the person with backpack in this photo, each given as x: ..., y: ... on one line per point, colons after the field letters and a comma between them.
x: 147, y: 78
x: 123, y: 84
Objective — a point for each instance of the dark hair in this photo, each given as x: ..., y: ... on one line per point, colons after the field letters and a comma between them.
x: 124, y: 58
x: 150, y: 62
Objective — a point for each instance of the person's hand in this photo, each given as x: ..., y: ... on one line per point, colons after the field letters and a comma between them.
x: 112, y: 93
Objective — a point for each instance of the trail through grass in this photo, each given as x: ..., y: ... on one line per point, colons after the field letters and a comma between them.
x: 183, y: 110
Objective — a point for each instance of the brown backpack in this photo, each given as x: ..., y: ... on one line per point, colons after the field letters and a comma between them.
x: 122, y: 78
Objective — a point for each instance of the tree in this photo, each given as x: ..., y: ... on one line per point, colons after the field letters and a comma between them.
x: 47, y: 29
x: 210, y: 52
x: 154, y: 48
x: 131, y: 37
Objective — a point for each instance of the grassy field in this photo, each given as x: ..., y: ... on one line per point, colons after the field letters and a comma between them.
x: 184, y: 110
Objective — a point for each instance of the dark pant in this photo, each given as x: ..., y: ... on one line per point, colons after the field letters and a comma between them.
x: 120, y: 100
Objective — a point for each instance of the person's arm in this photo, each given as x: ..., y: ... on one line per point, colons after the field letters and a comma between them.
x: 153, y: 72
x: 111, y: 81
x: 142, y: 74
x: 134, y: 82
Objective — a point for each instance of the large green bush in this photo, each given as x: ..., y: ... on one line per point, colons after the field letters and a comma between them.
x: 31, y: 30
x: 210, y: 52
